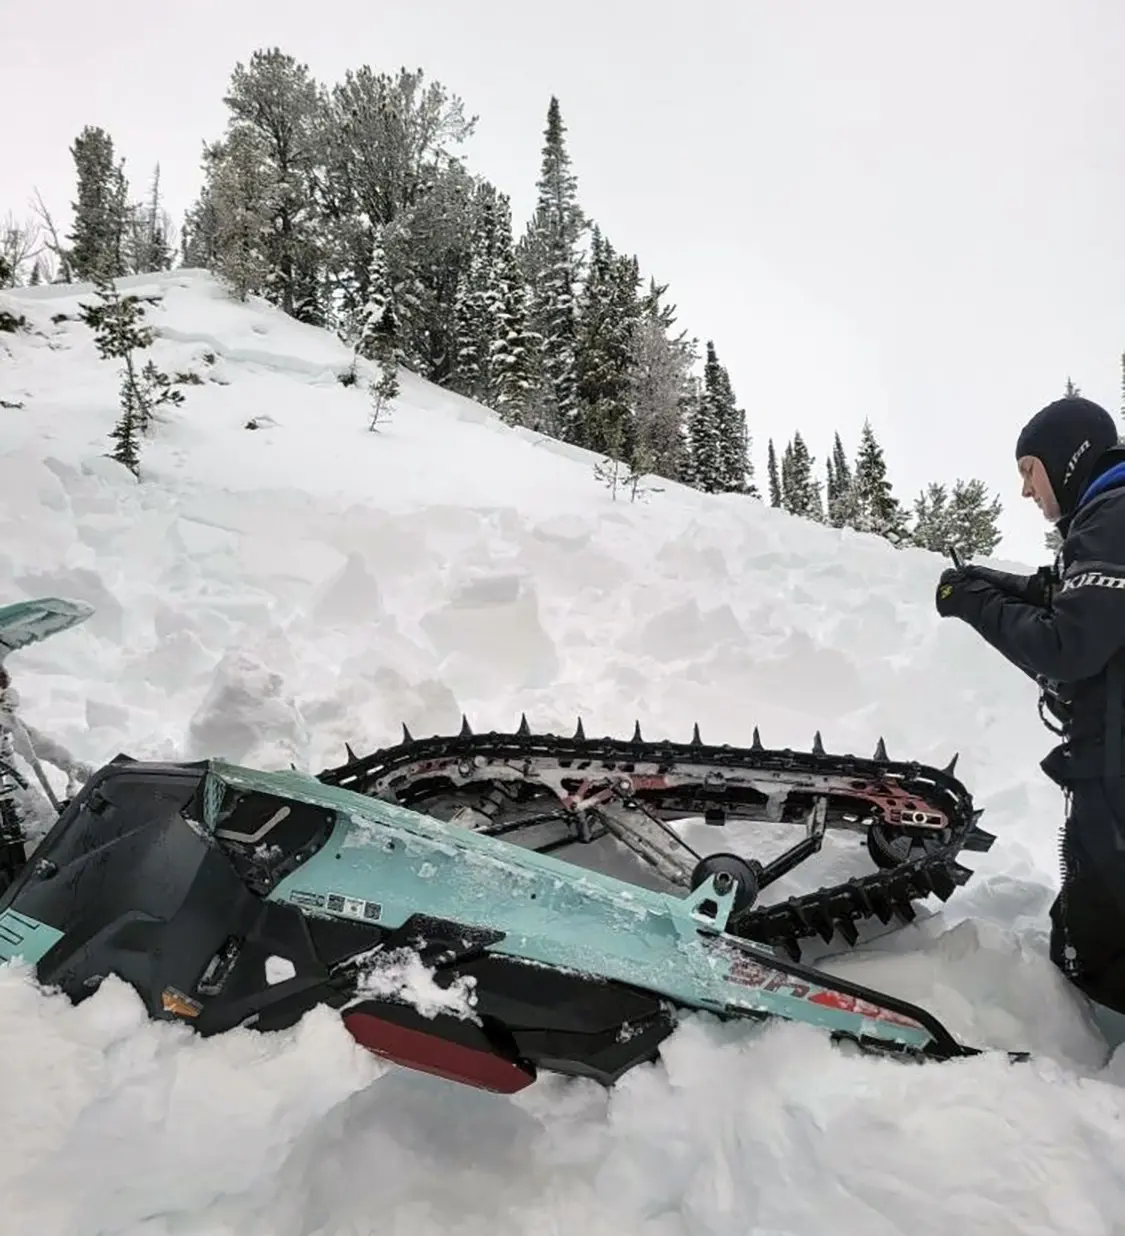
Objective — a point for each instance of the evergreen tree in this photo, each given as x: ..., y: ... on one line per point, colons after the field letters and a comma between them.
x: 735, y: 471
x: 705, y: 467
x: 840, y: 495
x: 390, y: 164
x: 876, y: 508
x: 551, y: 262
x: 199, y: 247
x: 931, y: 519
x: 660, y: 388
x: 608, y: 319
x: 241, y: 194
x: 119, y: 332
x: 775, y: 483
x: 475, y: 325
x: 378, y: 332
x: 276, y: 110
x: 973, y: 519
x: 511, y: 345
x: 97, y: 241
x: 800, y: 491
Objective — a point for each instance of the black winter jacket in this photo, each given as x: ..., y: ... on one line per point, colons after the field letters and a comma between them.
x: 1074, y: 645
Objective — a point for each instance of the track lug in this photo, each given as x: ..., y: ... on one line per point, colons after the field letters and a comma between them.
x: 791, y: 948
x: 407, y: 736
x: 848, y: 930
x: 756, y: 745
x: 466, y: 729
x: 351, y: 754
x: 525, y: 730
x: 880, y: 751
x: 978, y: 841
x: 637, y: 732
x: 817, y: 744
x: 579, y: 732
x: 948, y: 769
x: 696, y: 740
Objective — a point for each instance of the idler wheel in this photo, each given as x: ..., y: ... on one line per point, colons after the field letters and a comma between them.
x: 891, y: 847
x: 730, y: 870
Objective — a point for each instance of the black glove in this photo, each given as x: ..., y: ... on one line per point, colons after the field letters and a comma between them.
x: 1041, y: 587
x: 1036, y: 589
x: 950, y: 590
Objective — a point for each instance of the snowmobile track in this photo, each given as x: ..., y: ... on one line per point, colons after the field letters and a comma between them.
x: 916, y: 819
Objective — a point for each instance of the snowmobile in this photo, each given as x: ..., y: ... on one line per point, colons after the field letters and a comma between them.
x: 420, y: 892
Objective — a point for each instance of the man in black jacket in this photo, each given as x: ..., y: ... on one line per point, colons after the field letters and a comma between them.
x: 1065, y: 627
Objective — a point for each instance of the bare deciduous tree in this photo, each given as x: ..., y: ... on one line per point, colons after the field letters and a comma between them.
x: 20, y: 245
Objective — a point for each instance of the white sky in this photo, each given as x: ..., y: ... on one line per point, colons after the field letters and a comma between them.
x: 910, y: 211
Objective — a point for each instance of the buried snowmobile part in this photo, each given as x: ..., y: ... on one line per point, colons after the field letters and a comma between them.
x: 23, y: 623
x: 443, y: 949
x: 548, y: 792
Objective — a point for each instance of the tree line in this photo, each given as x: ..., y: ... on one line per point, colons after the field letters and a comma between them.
x: 349, y: 206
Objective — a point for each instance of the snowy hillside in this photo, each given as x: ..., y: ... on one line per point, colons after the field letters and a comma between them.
x: 268, y: 594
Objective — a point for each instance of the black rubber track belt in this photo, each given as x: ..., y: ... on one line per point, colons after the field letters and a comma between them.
x: 884, y: 894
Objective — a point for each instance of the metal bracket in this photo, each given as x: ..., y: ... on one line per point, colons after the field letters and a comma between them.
x: 712, y: 902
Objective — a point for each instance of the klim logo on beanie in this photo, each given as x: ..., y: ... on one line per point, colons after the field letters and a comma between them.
x: 1074, y: 461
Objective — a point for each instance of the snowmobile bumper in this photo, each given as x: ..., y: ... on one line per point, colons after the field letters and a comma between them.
x: 229, y: 897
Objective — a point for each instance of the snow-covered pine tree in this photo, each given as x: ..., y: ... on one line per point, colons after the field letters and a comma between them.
x: 429, y: 251
x: 840, y: 499
x: 474, y: 322
x: 660, y: 387
x: 388, y: 146
x: 876, y: 508
x: 800, y: 490
x: 147, y: 237
x: 550, y: 259
x: 735, y: 472
x: 242, y: 195
x: 609, y: 312
x: 774, y: 479
x: 513, y: 347
x: 705, y: 459
x: 119, y: 332
x: 274, y: 102
x: 931, y: 519
x: 97, y: 240
x: 973, y: 518
x: 198, y: 245
x: 377, y: 338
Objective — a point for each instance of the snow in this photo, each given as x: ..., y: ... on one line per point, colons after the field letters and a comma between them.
x: 266, y: 595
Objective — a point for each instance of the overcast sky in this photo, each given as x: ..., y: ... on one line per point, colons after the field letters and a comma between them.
x: 909, y: 211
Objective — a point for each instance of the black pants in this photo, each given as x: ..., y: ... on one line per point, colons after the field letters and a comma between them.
x: 1088, y: 916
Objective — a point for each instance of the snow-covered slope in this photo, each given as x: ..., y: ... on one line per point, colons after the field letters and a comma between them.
x: 266, y: 594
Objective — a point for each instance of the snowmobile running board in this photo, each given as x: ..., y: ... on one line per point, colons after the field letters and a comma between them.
x: 278, y: 893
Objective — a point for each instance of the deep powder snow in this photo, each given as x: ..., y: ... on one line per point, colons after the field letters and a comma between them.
x: 267, y: 594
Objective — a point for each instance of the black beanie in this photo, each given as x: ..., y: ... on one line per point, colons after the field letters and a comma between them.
x: 1068, y: 436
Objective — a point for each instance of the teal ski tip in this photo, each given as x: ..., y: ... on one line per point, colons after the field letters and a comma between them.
x: 27, y: 622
